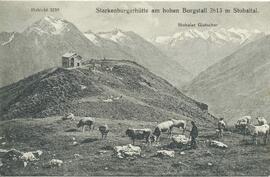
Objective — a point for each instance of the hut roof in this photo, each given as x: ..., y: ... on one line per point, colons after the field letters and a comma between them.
x: 69, y: 54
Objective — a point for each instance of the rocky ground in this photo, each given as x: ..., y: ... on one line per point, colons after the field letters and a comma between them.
x: 90, y: 155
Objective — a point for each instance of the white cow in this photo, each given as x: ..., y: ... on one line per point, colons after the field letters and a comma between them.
x: 261, y: 130
x: 261, y: 120
x: 180, y: 123
x: 241, y: 123
x: 246, y: 119
x: 163, y: 127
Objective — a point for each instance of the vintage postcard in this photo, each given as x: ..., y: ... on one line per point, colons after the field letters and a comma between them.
x: 134, y: 88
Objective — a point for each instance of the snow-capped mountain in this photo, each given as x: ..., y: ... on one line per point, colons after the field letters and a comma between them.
x: 49, y: 25
x: 196, y: 50
x: 41, y: 45
x: 116, y: 35
x: 146, y: 54
x: 220, y: 36
x: 93, y: 37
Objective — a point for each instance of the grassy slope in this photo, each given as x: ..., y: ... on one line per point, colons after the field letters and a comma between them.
x: 144, y: 96
x: 50, y: 135
x: 238, y: 85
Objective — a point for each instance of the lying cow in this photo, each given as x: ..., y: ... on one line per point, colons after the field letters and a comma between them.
x: 86, y: 121
x: 139, y: 134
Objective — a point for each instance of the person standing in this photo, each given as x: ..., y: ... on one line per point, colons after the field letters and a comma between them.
x: 193, y: 135
x: 221, y: 127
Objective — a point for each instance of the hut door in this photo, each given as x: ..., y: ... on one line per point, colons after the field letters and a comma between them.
x: 72, y: 62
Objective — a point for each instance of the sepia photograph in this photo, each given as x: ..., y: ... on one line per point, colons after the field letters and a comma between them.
x: 134, y: 88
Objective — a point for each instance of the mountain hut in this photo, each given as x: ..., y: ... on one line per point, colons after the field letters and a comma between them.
x: 71, y: 59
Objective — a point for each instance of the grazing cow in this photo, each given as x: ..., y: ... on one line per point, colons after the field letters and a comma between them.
x: 261, y: 130
x: 245, y: 119
x: 261, y: 120
x: 180, y: 123
x: 104, y: 130
x: 139, y: 134
x: 86, y: 121
x: 163, y: 127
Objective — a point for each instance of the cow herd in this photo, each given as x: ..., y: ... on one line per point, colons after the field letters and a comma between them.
x: 261, y: 129
x: 134, y: 134
x: 244, y: 125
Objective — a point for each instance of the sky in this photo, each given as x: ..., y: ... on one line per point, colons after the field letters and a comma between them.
x: 16, y: 16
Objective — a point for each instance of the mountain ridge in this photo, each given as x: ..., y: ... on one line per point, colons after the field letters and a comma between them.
x: 239, y: 81
x: 41, y: 45
x: 210, y: 45
x: 102, y: 88
x: 237, y: 35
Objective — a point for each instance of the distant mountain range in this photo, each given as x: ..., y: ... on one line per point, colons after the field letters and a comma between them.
x: 116, y: 89
x: 196, y: 50
x: 239, y: 84
x: 178, y: 58
x: 42, y: 44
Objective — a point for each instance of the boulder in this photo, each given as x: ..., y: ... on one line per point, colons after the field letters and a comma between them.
x: 165, y: 153
x: 13, y: 154
x: 209, y: 164
x: 68, y: 116
x: 3, y: 152
x: 28, y: 156
x: 102, y: 152
x: 208, y: 153
x: 37, y: 153
x: 83, y: 87
x: 16, y: 158
x: 75, y: 143
x: 12, y: 158
x: 78, y: 156
x: 218, y: 144
x: 31, y: 156
x: 180, y: 139
x: 55, y: 163
x: 127, y: 151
